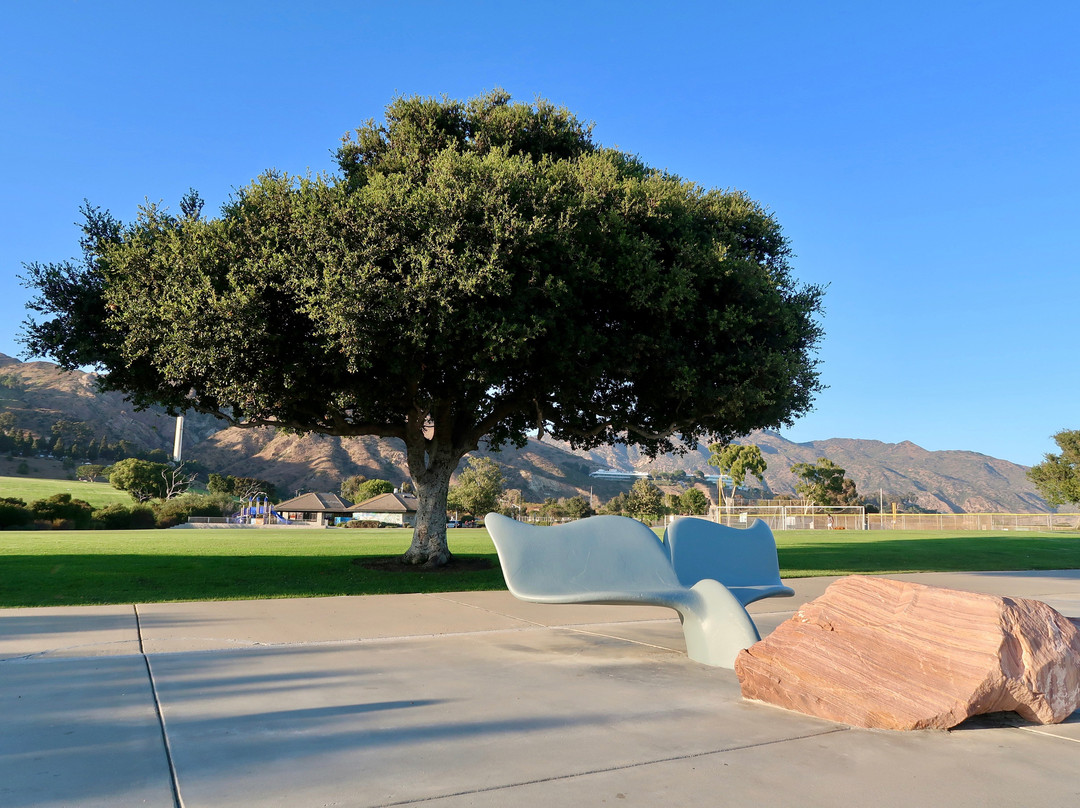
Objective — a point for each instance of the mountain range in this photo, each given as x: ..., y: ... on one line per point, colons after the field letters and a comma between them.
x: 38, y: 394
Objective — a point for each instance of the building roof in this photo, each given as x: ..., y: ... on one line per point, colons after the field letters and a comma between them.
x: 388, y: 503
x: 315, y: 503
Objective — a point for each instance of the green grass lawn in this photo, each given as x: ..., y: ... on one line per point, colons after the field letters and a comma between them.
x: 813, y: 553
x: 42, y: 568
x: 29, y: 489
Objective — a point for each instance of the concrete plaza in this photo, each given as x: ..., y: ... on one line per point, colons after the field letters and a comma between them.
x: 465, y: 699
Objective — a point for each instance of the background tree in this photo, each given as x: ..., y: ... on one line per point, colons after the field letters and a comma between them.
x: 849, y: 495
x: 577, y: 508
x: 218, y: 484
x: 736, y: 461
x: 89, y: 472
x: 1057, y: 477
x: 372, y: 488
x: 645, y: 500
x: 694, y: 502
x: 246, y: 488
x: 349, y: 487
x: 477, y: 271
x: 177, y: 481
x: 478, y: 487
x: 72, y: 431
x: 140, y: 478
x: 822, y: 482
x: 617, y: 505
x: 552, y: 508
x: 512, y: 503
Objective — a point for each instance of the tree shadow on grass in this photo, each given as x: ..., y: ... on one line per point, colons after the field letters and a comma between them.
x: 62, y: 580
x: 458, y: 564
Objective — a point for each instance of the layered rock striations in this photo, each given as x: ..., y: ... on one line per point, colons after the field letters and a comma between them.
x: 877, y: 653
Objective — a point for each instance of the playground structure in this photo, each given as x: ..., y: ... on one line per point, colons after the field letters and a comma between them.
x: 258, y: 510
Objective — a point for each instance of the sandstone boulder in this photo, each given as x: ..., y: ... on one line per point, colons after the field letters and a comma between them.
x: 872, y: 652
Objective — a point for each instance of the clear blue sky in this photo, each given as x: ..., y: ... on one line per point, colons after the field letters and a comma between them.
x: 921, y: 157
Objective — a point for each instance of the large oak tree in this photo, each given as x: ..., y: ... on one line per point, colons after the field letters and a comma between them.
x: 475, y: 271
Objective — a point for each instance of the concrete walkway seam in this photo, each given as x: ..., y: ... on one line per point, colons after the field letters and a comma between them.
x: 178, y: 801
x: 608, y: 769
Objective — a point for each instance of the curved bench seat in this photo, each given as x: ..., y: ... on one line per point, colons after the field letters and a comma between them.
x: 616, y: 560
x: 742, y: 559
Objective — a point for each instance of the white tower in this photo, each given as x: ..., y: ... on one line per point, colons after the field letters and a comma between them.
x: 178, y: 441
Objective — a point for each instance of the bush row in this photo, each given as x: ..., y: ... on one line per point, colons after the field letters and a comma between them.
x: 61, y: 512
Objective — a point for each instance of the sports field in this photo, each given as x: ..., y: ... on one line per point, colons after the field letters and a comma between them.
x: 43, y: 568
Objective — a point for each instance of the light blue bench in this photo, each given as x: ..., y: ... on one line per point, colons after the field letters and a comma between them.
x: 616, y: 560
x: 742, y: 559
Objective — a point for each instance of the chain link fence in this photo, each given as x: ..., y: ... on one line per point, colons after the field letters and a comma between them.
x: 975, y: 521
x: 820, y: 517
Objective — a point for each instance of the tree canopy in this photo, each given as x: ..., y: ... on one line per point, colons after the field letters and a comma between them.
x: 475, y: 271
x: 241, y: 487
x: 693, y: 501
x: 368, y: 489
x: 1057, y: 477
x: 478, y: 487
x: 737, y: 460
x: 824, y: 483
x: 140, y: 478
x: 645, y: 500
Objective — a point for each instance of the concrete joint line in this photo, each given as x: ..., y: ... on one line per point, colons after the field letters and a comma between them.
x: 607, y: 769
x: 1044, y: 734
x: 178, y: 801
x: 613, y: 637
x: 485, y: 610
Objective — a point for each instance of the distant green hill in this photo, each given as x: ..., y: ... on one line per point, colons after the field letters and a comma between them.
x: 30, y: 489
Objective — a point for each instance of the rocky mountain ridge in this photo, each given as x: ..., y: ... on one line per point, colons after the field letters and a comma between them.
x: 39, y: 393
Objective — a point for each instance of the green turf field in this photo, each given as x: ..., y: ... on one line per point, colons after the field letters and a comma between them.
x: 29, y: 489
x: 41, y: 568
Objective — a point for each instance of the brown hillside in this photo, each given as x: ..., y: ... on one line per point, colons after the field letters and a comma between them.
x: 39, y: 393
x: 946, y: 481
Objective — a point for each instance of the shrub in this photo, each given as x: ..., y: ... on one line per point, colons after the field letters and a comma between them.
x: 123, y: 517
x: 142, y: 517
x: 364, y: 523
x: 14, y: 513
x: 113, y: 517
x: 61, y: 507
x: 176, y: 511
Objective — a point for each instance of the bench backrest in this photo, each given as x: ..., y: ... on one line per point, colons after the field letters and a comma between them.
x: 598, y: 554
x: 733, y: 556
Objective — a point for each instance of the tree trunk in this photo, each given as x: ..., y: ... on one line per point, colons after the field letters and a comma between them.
x: 429, y: 545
